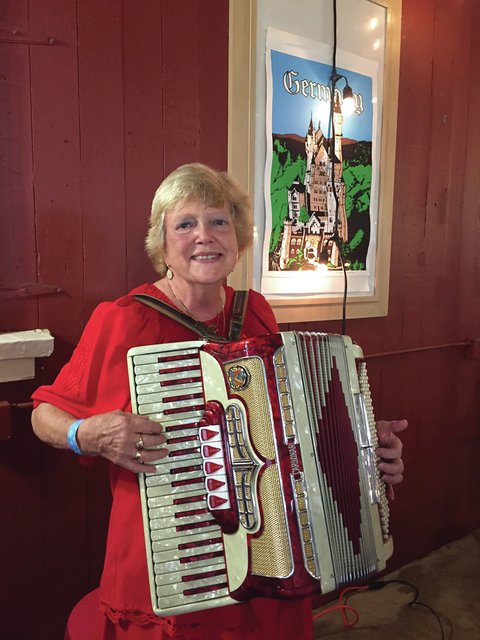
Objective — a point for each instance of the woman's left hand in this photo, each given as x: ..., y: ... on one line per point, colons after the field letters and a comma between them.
x: 390, y: 452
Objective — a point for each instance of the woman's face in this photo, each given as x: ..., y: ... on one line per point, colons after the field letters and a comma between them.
x: 200, y: 243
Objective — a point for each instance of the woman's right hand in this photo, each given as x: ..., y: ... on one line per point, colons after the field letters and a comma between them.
x: 126, y: 439
x: 123, y: 438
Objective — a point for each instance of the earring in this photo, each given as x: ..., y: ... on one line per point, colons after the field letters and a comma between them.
x: 169, y: 274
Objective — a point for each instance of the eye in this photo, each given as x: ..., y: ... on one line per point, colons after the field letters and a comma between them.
x: 184, y: 225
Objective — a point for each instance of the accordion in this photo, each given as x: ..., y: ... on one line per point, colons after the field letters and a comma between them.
x: 271, y: 486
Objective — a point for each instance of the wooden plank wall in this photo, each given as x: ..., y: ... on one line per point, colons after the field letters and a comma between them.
x: 93, y: 123
x: 89, y: 127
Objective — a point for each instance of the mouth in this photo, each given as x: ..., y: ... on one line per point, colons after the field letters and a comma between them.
x: 206, y: 257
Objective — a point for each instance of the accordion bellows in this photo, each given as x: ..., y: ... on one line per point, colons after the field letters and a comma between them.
x: 271, y: 487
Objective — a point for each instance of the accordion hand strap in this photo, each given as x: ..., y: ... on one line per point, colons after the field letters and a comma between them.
x: 239, y: 306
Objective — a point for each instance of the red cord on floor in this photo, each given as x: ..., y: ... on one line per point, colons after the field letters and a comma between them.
x: 343, y: 608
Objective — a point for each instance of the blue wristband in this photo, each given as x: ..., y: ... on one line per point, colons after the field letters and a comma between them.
x: 72, y: 437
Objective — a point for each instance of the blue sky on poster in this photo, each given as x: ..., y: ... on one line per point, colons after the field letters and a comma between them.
x: 291, y: 112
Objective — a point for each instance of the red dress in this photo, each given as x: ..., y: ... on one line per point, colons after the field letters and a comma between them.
x: 96, y: 381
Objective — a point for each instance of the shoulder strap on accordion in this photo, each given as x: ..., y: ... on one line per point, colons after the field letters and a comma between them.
x: 239, y: 306
x: 199, y: 327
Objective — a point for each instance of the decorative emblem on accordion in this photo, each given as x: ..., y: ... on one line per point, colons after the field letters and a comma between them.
x: 238, y: 377
x: 271, y: 486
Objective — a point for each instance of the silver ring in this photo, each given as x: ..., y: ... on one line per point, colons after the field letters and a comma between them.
x: 139, y: 444
x: 138, y: 456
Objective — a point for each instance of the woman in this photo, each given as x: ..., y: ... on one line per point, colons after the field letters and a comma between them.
x: 200, y: 224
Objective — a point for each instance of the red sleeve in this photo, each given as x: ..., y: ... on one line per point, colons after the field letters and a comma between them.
x: 95, y: 380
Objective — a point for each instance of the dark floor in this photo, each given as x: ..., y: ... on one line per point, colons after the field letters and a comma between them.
x: 448, y: 581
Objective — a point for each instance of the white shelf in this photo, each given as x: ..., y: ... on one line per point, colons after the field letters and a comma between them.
x: 18, y: 351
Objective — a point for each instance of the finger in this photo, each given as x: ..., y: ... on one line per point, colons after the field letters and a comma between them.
x: 389, y: 453
x: 394, y: 468
x: 388, y: 440
x: 392, y: 426
x: 142, y: 461
x: 392, y: 478
x: 146, y: 426
x: 150, y: 441
x: 389, y: 492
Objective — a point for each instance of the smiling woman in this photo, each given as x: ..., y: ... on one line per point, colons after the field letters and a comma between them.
x: 200, y: 223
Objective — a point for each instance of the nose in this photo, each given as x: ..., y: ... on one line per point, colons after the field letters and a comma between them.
x: 204, y: 233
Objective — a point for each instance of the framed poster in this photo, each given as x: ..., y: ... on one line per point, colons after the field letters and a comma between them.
x: 281, y: 122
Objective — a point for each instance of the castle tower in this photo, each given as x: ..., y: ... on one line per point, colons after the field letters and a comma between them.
x: 338, y: 122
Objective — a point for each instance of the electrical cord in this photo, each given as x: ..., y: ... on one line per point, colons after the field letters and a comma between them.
x: 380, y: 584
x: 343, y: 608
x: 335, y: 237
x: 376, y: 586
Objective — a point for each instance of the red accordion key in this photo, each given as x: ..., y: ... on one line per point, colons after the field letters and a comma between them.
x: 215, y: 501
x: 207, y: 434
x: 211, y: 467
x: 213, y: 484
x: 208, y: 450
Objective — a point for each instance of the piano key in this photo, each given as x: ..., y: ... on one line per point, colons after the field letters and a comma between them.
x: 217, y: 564
x: 179, y: 587
x: 163, y: 512
x: 199, y: 537
x: 155, y: 356
x: 191, y: 363
x: 177, y: 420
x: 161, y: 407
x: 164, y: 534
x: 182, y: 446
x: 175, y: 555
x: 173, y: 566
x: 168, y: 500
x: 164, y: 478
x: 164, y: 465
x: 191, y: 432
x: 156, y: 378
x: 179, y: 600
x: 158, y: 490
x: 165, y: 523
x: 144, y: 397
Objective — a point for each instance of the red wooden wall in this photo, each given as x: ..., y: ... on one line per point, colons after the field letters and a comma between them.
x: 89, y: 126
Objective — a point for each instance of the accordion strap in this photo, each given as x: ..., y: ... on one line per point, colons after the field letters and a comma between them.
x: 239, y: 306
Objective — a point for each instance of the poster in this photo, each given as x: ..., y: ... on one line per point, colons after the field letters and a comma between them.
x: 320, y: 171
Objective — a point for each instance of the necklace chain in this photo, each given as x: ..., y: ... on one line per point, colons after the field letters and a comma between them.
x: 214, y: 326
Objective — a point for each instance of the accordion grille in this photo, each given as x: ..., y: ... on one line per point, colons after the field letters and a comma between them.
x: 270, y: 553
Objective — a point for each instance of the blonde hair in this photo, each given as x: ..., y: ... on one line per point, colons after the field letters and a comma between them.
x: 205, y: 185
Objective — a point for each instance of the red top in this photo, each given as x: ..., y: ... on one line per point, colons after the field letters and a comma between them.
x: 96, y: 381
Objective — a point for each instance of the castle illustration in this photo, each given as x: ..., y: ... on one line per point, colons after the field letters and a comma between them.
x: 316, y: 194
